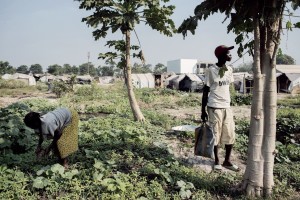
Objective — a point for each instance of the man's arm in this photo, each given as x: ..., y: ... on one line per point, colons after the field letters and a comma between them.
x: 204, y: 115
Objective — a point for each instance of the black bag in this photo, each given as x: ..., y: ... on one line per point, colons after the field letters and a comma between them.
x: 204, y: 141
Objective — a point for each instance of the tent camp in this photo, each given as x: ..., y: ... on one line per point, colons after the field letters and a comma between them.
x: 243, y: 82
x: 288, y: 78
x: 143, y: 80
x: 186, y: 82
x: 106, y: 80
x: 84, y: 79
x: 27, y: 79
x: 47, y: 78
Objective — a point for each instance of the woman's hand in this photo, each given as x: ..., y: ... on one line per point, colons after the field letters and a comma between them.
x: 39, y: 153
x: 47, y: 151
x: 38, y: 149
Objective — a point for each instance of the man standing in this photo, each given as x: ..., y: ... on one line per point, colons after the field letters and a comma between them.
x: 216, y: 96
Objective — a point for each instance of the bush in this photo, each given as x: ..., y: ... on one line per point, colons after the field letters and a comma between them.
x: 239, y: 100
x: 11, y: 84
x: 15, y: 136
x: 60, y: 88
x: 288, y: 126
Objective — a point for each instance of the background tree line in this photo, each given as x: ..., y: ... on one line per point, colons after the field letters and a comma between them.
x: 110, y: 69
x: 281, y: 59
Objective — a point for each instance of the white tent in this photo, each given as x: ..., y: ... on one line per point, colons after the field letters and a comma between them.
x: 143, y: 80
x: 27, y: 79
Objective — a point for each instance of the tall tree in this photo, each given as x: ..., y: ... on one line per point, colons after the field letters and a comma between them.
x: 123, y: 15
x: 245, y: 67
x: 6, y: 68
x: 75, y: 69
x: 160, y: 68
x: 23, y: 69
x: 67, y: 69
x: 106, y: 71
x: 55, y: 69
x: 141, y: 69
x: 87, y: 68
x: 263, y: 19
x: 36, y: 69
x: 284, y: 59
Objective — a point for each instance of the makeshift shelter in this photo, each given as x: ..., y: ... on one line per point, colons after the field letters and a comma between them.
x: 243, y: 82
x: 288, y: 78
x: 47, y: 78
x: 85, y: 79
x: 27, y: 79
x: 106, y: 79
x: 187, y: 82
x: 143, y: 80
x: 161, y: 78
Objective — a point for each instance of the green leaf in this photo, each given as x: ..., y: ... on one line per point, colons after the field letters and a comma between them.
x: 122, y: 186
x: 57, y: 168
x: 185, y: 194
x: 297, y: 25
x: 111, y: 187
x: 289, y: 25
x: 222, y: 71
x: 69, y: 175
x: 98, y: 164
x: 97, y: 176
x: 40, y: 182
x: 181, y: 184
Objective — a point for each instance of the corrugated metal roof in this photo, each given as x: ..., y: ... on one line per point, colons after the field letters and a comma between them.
x: 288, y: 68
x: 293, y: 76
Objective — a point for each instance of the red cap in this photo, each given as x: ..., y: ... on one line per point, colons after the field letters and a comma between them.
x: 220, y: 50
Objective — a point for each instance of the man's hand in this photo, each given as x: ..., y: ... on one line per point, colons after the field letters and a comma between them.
x: 204, y: 116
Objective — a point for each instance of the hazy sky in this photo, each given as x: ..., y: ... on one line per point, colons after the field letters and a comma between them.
x: 51, y: 32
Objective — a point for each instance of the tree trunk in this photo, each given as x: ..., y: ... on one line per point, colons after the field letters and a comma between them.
x: 270, y: 101
x: 258, y: 177
x: 253, y: 177
x: 137, y: 114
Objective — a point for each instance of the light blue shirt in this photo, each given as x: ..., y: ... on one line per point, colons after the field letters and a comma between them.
x: 55, y: 120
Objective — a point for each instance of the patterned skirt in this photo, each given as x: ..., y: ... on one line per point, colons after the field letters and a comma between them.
x: 68, y: 141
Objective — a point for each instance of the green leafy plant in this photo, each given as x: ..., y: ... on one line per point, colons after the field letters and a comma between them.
x: 59, y: 88
x: 15, y: 137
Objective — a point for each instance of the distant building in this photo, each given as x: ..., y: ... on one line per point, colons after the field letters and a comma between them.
x: 288, y: 78
x: 187, y: 66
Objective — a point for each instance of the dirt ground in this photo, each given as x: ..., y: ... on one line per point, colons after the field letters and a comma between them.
x: 5, y: 101
x: 187, y: 154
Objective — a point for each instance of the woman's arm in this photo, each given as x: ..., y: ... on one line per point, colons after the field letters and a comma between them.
x: 56, y: 137
x: 39, y: 146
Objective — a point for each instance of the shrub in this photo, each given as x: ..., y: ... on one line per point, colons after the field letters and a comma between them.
x: 288, y: 126
x: 11, y: 84
x: 60, y: 88
x: 15, y: 136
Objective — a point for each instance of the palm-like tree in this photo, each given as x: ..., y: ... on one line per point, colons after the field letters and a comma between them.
x: 124, y: 15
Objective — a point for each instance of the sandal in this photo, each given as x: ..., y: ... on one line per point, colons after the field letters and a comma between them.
x: 232, y: 167
x: 217, y: 167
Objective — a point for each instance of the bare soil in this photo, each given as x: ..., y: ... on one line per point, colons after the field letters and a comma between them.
x: 187, y: 153
x: 6, y: 101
